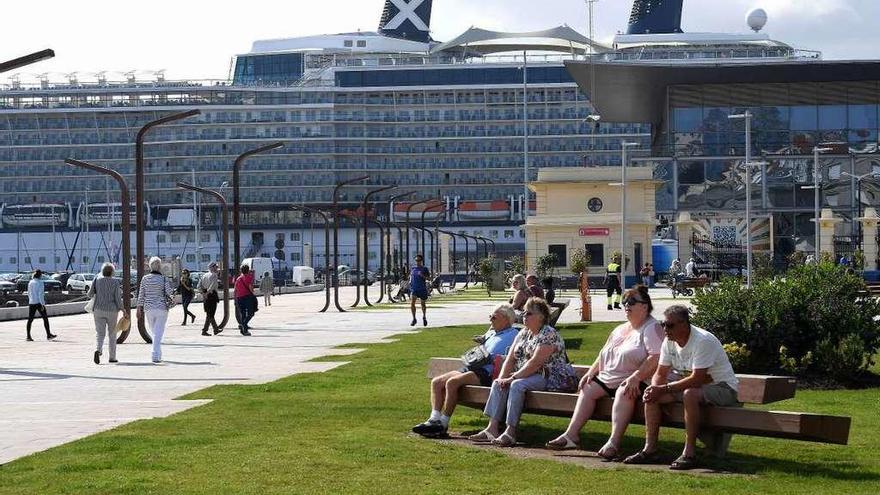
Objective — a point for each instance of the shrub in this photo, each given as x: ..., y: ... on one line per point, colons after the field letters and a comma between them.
x: 815, y: 322
x: 517, y: 266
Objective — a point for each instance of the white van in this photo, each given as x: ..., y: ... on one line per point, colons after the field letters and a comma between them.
x: 303, y: 276
x: 259, y: 266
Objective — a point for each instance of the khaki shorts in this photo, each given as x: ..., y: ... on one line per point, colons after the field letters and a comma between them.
x: 716, y: 394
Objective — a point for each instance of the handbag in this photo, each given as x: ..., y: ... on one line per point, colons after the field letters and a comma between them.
x: 476, y: 357
x: 90, y: 306
x: 169, y: 300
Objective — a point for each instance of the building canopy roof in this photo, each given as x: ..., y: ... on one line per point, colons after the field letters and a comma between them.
x: 638, y: 92
x: 559, y: 39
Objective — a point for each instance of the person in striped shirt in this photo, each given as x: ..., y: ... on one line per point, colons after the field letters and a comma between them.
x: 154, y: 297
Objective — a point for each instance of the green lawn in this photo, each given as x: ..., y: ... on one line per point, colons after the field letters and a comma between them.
x: 346, y: 431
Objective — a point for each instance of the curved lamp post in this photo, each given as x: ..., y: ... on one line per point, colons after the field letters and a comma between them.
x: 357, y: 256
x: 408, y: 223
x: 225, y: 219
x: 236, y: 213
x: 391, y: 222
x: 323, y: 215
x: 382, y: 229
x: 366, y: 227
x: 140, y: 217
x: 32, y: 58
x: 336, y: 190
x: 433, y: 207
x: 125, y: 220
x: 454, y: 254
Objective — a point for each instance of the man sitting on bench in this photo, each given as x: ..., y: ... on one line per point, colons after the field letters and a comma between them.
x: 695, y: 353
x: 444, y: 388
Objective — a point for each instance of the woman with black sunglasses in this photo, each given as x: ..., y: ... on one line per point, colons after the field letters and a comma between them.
x: 621, y: 371
x: 536, y: 361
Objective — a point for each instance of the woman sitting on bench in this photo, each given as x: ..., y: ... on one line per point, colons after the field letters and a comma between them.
x: 536, y: 361
x: 621, y: 371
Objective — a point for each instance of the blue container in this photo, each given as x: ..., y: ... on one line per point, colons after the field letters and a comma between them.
x: 663, y: 252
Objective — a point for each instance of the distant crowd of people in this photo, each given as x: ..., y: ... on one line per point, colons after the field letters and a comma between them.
x: 155, y: 298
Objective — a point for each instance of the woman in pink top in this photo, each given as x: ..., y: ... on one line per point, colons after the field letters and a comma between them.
x: 628, y: 359
x: 245, y: 301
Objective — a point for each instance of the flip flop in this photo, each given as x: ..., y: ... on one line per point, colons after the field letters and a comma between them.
x: 604, y: 452
x: 504, y: 440
x: 562, y: 443
x: 684, y: 463
x: 642, y: 458
x: 482, y: 437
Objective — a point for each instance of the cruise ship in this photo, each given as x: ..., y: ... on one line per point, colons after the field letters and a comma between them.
x: 465, y: 121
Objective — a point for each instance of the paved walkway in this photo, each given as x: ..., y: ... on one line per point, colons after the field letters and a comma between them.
x: 52, y: 393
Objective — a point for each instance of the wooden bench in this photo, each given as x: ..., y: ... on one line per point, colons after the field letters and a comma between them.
x: 718, y: 422
x: 556, y: 310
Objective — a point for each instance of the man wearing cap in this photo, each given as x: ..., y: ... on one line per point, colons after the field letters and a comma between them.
x: 208, y: 286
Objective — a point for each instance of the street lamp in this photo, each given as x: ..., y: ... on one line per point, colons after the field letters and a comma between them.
x: 236, y: 214
x: 339, y: 186
x: 817, y: 207
x: 622, y: 184
x: 747, y: 117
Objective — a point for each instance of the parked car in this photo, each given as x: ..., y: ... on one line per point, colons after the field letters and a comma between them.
x: 6, y: 287
x: 62, y: 277
x: 80, y: 282
x: 259, y: 266
x: 352, y: 277
x: 303, y: 276
x: 21, y: 283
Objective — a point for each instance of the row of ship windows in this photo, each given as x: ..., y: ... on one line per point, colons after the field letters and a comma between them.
x: 160, y: 100
x: 438, y: 147
x: 92, y: 122
x: 37, y: 138
x: 231, y: 96
x: 271, y: 196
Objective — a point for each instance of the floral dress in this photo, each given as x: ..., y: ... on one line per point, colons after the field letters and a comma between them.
x: 557, y: 371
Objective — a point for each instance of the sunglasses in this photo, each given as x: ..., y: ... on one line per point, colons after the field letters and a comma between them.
x: 528, y: 313
x: 492, y: 316
x: 668, y: 324
x: 632, y: 302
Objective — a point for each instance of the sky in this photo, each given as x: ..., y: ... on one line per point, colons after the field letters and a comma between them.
x: 197, y: 39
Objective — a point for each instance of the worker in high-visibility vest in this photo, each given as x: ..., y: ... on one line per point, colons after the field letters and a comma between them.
x: 612, y: 283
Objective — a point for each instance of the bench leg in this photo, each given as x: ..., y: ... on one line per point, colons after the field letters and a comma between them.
x: 717, y: 442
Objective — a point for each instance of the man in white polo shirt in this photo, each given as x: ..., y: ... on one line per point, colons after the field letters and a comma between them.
x: 693, y: 369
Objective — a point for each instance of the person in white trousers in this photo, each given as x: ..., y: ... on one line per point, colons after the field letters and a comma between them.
x: 154, y: 300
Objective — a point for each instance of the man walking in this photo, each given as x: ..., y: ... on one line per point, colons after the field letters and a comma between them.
x: 208, y: 286
x: 37, y: 303
x: 418, y: 286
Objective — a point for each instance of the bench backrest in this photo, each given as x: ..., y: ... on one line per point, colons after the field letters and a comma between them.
x: 753, y: 389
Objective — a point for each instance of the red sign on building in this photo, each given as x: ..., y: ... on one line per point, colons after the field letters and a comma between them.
x: 593, y: 232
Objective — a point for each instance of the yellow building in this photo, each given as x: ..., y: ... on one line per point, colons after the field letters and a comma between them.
x: 581, y: 208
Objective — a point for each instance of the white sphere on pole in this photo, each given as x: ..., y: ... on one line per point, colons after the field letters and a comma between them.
x: 757, y: 19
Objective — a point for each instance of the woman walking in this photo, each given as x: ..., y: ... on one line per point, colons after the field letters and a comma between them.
x: 37, y: 303
x: 107, y: 294
x: 266, y: 286
x: 154, y: 300
x: 186, y: 292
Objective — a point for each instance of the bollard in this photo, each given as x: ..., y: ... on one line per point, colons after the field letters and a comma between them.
x: 586, y: 308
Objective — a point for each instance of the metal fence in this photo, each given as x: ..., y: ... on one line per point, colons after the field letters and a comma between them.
x: 718, y: 258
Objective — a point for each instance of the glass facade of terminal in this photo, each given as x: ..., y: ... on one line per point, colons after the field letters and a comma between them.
x: 704, y: 152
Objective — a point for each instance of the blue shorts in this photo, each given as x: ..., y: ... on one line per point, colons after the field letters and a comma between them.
x: 420, y: 294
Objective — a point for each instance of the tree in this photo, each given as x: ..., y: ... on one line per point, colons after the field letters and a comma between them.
x: 546, y: 265
x: 487, y: 269
x: 580, y: 261
x: 517, y: 266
